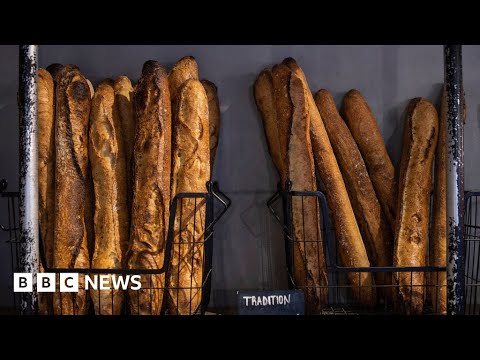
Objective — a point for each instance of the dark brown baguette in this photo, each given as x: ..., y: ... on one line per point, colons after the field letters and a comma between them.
x: 151, y: 188
x: 123, y: 109
x: 190, y: 172
x: 411, y: 235
x: 375, y: 230
x: 71, y: 141
x: 265, y: 101
x: 213, y: 118
x: 107, y: 156
x: 347, y: 234
x: 367, y: 135
x: 46, y: 174
x: 308, y: 257
x: 283, y: 104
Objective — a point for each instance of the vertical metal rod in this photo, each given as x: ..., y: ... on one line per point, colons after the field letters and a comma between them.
x: 27, y: 101
x: 455, y: 196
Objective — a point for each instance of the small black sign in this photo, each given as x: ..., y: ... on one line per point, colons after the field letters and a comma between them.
x: 274, y: 302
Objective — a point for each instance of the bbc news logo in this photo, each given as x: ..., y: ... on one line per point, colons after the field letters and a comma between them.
x: 68, y: 282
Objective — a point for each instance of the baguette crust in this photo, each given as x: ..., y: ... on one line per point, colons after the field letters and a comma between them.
x: 367, y: 135
x: 305, y: 210
x: 151, y: 188
x: 411, y: 235
x: 71, y: 140
x: 123, y: 109
x: 46, y: 174
x: 265, y: 101
x: 349, y: 241
x: 213, y: 118
x: 283, y: 104
x: 107, y: 155
x: 190, y: 172
x: 374, y: 228
x: 184, y: 69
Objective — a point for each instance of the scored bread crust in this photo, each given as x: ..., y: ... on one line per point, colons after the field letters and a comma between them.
x: 347, y: 234
x: 308, y: 257
x: 364, y: 128
x: 184, y: 69
x: 71, y: 141
x: 213, y: 118
x: 190, y: 172
x: 151, y: 188
x: 107, y: 156
x: 374, y: 228
x: 283, y: 109
x: 265, y: 101
x: 411, y: 235
x: 46, y: 174
x: 123, y: 109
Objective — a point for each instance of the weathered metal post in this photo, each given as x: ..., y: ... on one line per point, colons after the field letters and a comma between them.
x: 28, y: 204
x: 455, y: 172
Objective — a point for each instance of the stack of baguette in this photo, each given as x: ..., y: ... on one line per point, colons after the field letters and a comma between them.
x: 110, y: 163
x: 378, y: 221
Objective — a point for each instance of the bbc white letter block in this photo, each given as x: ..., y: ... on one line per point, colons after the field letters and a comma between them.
x: 22, y: 282
x: 68, y: 282
x: 46, y: 282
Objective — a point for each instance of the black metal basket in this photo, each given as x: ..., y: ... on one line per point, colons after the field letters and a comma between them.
x: 339, y: 296
x: 194, y: 295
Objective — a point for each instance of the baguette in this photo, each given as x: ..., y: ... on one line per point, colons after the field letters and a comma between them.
x: 107, y: 156
x: 374, y: 228
x: 213, y: 118
x: 151, y: 187
x: 184, y: 69
x: 71, y: 141
x: 89, y: 212
x: 46, y: 174
x: 348, y: 238
x: 190, y: 172
x: 56, y: 69
x: 265, y: 101
x: 367, y: 135
x: 283, y: 105
x: 123, y: 109
x: 305, y: 210
x: 419, y: 141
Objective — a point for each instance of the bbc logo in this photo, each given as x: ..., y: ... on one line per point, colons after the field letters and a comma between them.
x: 23, y: 282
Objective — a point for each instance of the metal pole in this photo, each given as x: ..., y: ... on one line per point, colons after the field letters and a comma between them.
x: 455, y: 200
x: 28, y: 204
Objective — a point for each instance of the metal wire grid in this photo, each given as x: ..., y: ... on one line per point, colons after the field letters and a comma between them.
x: 341, y: 297
x: 199, y: 248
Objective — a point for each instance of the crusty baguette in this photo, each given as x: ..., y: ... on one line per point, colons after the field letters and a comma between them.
x: 367, y: 135
x: 123, y: 109
x: 190, y: 172
x: 151, y: 188
x: 213, y: 118
x: 184, y: 69
x: 54, y: 70
x: 90, y: 199
x: 374, y: 228
x: 283, y: 104
x: 411, y: 236
x: 265, y: 101
x: 46, y: 174
x: 71, y: 140
x: 348, y: 238
x: 107, y: 156
x: 305, y: 210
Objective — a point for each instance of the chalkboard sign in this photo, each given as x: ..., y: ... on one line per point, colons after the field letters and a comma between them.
x: 275, y: 302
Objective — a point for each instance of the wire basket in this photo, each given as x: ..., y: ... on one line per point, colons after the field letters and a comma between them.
x: 345, y: 291
x: 185, y: 291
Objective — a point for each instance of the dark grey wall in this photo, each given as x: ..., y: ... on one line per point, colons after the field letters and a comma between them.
x: 248, y: 244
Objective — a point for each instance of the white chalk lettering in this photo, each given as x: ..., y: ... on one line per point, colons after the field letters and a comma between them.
x: 286, y: 300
